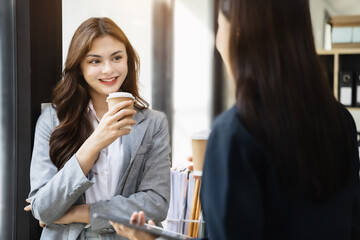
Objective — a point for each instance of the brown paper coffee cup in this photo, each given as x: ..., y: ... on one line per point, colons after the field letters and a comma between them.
x: 117, y: 97
x: 199, y: 141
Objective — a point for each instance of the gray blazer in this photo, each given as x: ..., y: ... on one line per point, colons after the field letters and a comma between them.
x: 144, y: 180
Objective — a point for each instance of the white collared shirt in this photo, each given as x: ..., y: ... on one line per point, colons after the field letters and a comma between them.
x: 106, y: 168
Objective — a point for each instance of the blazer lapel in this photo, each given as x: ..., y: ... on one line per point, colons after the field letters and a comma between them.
x: 131, y: 144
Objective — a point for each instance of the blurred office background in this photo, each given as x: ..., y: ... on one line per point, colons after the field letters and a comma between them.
x: 181, y: 74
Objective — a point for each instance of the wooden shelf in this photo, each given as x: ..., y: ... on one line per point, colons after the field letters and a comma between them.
x: 339, y: 51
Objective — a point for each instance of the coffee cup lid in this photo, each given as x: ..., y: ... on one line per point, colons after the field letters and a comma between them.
x: 203, y: 134
x: 120, y: 94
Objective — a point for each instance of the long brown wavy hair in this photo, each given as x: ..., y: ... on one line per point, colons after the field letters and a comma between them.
x: 71, y: 96
x: 284, y: 97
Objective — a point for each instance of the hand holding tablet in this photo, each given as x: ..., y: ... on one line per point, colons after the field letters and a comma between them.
x: 146, y: 228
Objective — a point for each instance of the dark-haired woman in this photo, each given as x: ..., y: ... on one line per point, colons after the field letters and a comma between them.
x: 283, y: 163
x: 84, y: 161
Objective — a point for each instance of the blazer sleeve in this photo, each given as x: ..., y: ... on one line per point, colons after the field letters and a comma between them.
x: 52, y: 191
x: 153, y: 193
x: 231, y: 193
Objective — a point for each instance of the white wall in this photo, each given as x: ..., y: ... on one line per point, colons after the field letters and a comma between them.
x: 344, y: 7
x: 193, y: 50
x: 133, y: 17
x: 318, y: 8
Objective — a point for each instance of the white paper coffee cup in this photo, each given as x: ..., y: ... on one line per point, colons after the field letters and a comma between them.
x: 117, y: 97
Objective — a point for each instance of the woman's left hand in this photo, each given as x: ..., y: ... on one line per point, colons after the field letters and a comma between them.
x: 132, y: 234
x: 28, y: 208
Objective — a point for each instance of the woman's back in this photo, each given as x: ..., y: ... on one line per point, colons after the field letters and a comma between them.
x: 249, y: 202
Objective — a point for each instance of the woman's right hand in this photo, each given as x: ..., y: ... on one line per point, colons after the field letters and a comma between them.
x: 111, y: 125
x: 132, y: 234
x: 109, y: 129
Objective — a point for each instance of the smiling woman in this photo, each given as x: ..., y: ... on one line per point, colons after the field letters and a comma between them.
x: 90, y: 61
x: 84, y: 160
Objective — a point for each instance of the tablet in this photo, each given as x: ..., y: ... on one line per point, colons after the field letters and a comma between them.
x: 157, y: 231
